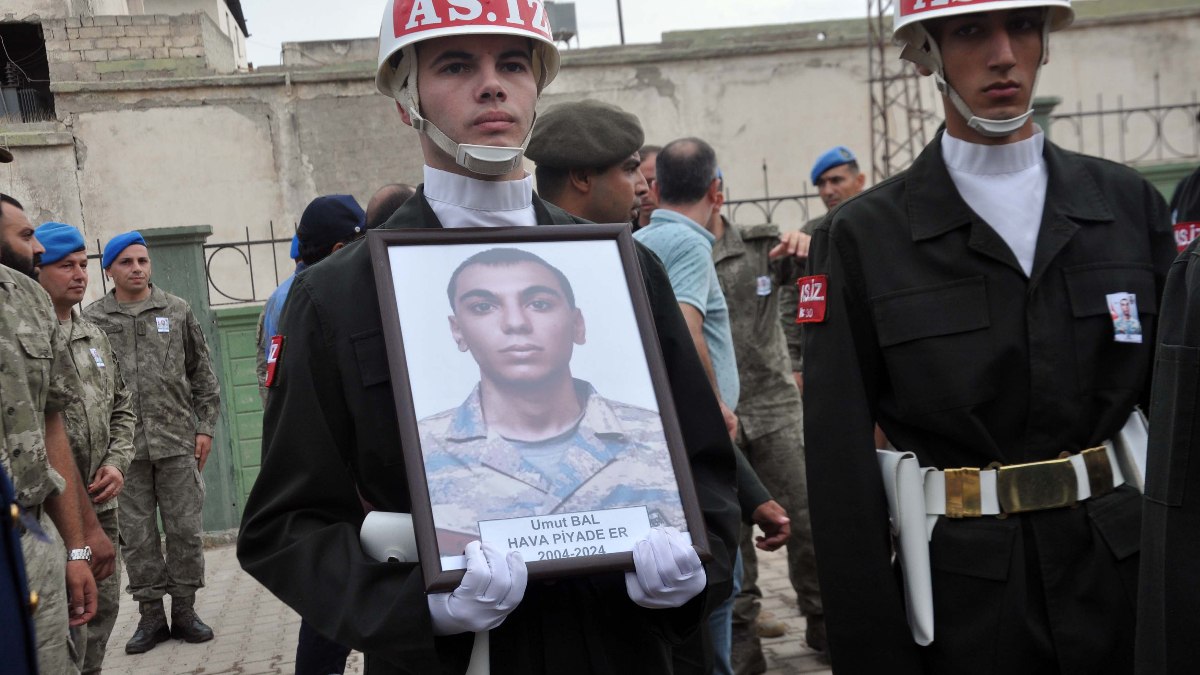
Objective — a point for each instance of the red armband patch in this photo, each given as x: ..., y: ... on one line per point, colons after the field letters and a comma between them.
x: 274, y: 353
x: 812, y: 299
x: 1185, y: 233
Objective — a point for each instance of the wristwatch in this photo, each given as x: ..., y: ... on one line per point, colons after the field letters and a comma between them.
x: 84, y: 554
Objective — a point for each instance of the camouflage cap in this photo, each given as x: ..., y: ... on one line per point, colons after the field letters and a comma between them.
x: 586, y: 134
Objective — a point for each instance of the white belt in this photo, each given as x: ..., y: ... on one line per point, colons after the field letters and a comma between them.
x: 1027, y: 487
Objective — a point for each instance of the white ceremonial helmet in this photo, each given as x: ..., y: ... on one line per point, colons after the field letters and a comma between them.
x: 908, y: 29
x: 407, y: 22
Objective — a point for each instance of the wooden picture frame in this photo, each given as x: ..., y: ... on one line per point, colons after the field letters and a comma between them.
x: 482, y: 483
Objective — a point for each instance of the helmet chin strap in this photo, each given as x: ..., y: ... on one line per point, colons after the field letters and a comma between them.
x: 485, y: 160
x: 987, y: 127
x: 932, y: 60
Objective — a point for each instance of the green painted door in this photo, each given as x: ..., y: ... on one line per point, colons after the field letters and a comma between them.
x: 239, y: 386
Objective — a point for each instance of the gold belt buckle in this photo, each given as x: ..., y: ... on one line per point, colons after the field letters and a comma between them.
x: 963, y: 499
x: 1036, y: 486
x: 1099, y: 471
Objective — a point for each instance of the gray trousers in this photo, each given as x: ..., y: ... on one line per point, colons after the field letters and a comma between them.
x: 174, y: 488
x: 46, y: 570
x: 778, y: 459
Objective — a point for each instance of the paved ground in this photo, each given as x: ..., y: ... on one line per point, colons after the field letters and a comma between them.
x: 256, y: 634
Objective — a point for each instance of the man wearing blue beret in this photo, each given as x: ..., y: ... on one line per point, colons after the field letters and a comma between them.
x: 164, y: 356
x: 99, y: 423
x: 837, y: 178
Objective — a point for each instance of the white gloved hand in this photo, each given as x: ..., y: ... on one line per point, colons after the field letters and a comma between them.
x: 667, y: 570
x: 492, y: 587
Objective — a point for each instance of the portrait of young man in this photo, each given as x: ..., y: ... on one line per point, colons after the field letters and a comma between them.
x: 468, y: 87
x: 531, y: 439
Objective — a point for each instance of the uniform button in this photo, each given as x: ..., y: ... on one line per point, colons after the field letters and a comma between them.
x: 17, y: 452
x: 14, y: 513
x: 33, y: 602
x: 12, y: 410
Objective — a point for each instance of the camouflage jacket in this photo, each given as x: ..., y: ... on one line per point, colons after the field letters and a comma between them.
x: 761, y: 312
x: 100, y: 424
x: 616, y: 457
x: 165, y: 363
x: 35, y: 378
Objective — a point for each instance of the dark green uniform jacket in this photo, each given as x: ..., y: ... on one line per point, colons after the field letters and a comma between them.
x: 1168, y: 638
x: 331, y: 428
x: 933, y: 330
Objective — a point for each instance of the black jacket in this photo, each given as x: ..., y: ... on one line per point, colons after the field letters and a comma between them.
x: 933, y: 330
x: 1169, y: 601
x: 330, y: 432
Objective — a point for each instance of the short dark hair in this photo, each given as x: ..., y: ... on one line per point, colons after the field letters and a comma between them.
x: 684, y: 170
x: 386, y: 201
x: 551, y: 181
x: 496, y: 257
x: 11, y: 201
x: 649, y: 150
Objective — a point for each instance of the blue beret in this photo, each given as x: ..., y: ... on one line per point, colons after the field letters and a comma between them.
x: 60, y: 240
x: 835, y: 157
x: 117, y: 244
x: 295, y: 253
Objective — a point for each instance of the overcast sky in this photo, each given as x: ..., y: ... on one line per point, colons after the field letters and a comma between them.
x: 272, y: 22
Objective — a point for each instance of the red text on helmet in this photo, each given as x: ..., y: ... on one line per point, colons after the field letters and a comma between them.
x: 421, y: 14
x: 921, y: 5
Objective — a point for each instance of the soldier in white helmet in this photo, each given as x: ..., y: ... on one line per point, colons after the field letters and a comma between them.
x: 963, y: 304
x: 466, y: 74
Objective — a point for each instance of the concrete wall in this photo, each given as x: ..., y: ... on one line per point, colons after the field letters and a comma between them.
x: 323, y: 53
x: 108, y: 7
x: 22, y: 9
x: 246, y: 153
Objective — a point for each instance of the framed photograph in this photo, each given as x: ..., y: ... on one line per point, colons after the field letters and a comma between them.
x: 534, y: 408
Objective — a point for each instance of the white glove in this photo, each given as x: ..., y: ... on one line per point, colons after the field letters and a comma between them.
x: 492, y: 587
x: 667, y: 570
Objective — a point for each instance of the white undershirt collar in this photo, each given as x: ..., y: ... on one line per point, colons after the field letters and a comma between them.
x: 993, y: 160
x: 1005, y: 185
x: 461, y: 201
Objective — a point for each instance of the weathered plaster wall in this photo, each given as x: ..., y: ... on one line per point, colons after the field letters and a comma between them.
x: 22, y: 9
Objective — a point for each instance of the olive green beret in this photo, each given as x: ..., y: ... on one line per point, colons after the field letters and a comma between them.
x: 587, y: 134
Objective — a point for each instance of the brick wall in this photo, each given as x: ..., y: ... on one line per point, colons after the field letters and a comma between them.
x: 106, y: 48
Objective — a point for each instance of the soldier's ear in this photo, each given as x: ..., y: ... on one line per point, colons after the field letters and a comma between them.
x: 457, y: 333
x: 580, y: 328
x: 580, y: 179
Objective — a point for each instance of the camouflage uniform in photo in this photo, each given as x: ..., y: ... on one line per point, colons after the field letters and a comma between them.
x: 1130, y: 326
x: 36, y: 377
x: 770, y: 416
x: 100, y: 427
x: 615, y: 457
x: 165, y: 364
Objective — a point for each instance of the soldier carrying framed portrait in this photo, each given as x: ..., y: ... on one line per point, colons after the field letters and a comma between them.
x: 534, y: 409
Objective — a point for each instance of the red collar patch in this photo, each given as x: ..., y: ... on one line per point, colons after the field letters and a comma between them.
x: 274, y: 353
x: 812, y: 299
x: 1185, y: 233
